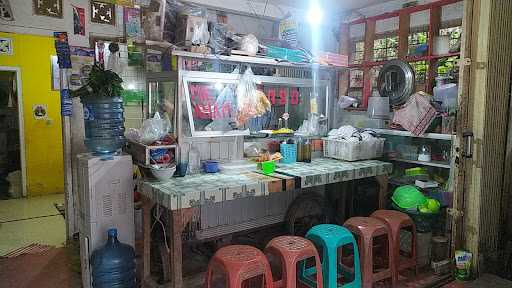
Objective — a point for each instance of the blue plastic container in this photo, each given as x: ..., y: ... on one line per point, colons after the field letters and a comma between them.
x: 211, y: 166
x: 104, y: 125
x: 113, y: 265
x: 289, y: 153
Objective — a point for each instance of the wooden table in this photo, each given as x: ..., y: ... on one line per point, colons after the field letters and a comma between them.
x: 186, y: 197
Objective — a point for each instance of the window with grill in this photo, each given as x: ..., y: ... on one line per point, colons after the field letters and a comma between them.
x: 446, y: 66
x: 385, y: 48
x: 454, y: 33
x: 417, y: 44
x: 357, y: 52
x: 420, y: 71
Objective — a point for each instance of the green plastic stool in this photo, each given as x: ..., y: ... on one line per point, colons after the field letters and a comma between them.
x: 330, y: 238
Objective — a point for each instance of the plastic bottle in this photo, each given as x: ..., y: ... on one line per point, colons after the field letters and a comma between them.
x: 113, y: 265
x: 306, y: 152
x: 194, y: 160
x: 300, y: 147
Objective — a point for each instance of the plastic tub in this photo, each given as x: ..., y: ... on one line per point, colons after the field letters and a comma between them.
x: 268, y: 167
x: 211, y: 166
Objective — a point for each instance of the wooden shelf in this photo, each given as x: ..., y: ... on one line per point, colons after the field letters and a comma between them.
x: 437, y: 136
x: 437, y: 164
x: 445, y: 55
x: 434, y: 11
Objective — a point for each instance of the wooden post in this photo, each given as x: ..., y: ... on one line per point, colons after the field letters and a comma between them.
x: 369, y: 37
x: 344, y: 49
x: 179, y: 220
x: 146, y: 254
x: 383, y: 190
x: 433, y: 31
x: 403, y: 34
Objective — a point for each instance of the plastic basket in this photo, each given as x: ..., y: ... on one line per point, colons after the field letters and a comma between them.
x: 289, y: 153
x: 353, y: 150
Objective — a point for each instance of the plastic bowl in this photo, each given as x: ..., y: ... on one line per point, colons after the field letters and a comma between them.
x: 163, y: 174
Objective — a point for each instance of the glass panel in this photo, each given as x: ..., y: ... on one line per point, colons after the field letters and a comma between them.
x: 212, y: 105
x: 162, y: 97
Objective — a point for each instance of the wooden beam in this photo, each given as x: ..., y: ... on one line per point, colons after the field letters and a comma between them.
x: 433, y: 32
x: 408, y: 10
x: 344, y: 49
x: 369, y: 38
x: 403, y: 34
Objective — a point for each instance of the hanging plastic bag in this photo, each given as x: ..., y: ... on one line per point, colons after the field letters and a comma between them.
x: 247, y: 97
x: 153, y: 129
x: 201, y: 35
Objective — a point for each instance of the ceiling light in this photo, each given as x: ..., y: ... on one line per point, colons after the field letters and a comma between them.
x: 315, y: 13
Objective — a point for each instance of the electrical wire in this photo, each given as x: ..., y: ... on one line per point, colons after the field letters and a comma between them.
x: 157, y: 216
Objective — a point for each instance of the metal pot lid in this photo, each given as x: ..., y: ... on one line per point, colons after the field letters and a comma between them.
x: 396, y: 81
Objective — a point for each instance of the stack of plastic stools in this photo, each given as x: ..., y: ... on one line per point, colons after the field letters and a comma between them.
x: 240, y: 263
x: 331, y: 237
x: 367, y: 229
x: 291, y: 250
x: 397, y: 221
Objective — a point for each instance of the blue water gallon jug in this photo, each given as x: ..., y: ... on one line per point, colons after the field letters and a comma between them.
x: 104, y: 125
x: 113, y: 265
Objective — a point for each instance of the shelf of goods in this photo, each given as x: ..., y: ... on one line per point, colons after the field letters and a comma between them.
x: 437, y: 136
x: 438, y: 164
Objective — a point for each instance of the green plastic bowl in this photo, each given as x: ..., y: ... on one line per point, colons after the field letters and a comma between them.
x: 408, y: 197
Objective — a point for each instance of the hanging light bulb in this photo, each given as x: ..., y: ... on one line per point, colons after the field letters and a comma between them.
x: 315, y: 13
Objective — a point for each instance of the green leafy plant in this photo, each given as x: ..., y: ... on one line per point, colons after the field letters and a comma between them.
x: 101, y: 84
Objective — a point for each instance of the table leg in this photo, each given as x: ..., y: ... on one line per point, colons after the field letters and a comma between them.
x: 383, y: 190
x: 146, y: 255
x: 179, y: 220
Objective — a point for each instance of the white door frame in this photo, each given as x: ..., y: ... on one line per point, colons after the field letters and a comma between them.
x: 17, y: 70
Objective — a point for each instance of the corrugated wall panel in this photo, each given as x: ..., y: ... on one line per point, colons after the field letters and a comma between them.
x: 496, y: 118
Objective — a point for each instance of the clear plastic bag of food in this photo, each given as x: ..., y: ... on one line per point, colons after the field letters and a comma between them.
x: 153, y: 129
x: 246, y: 97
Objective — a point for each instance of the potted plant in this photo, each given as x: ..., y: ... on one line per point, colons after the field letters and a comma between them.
x: 103, y: 111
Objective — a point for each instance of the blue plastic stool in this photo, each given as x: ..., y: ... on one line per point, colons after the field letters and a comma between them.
x: 330, y: 238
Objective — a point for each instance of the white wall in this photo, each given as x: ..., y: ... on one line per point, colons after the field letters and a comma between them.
x: 25, y: 22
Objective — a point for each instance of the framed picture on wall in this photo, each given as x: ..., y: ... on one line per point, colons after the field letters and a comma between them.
x: 50, y: 8
x: 103, y: 13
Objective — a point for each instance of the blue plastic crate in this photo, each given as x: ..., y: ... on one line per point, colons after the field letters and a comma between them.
x: 289, y: 153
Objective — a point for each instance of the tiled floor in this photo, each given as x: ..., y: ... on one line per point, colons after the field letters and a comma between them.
x: 31, y: 220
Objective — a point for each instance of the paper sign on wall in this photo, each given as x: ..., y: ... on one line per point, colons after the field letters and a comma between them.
x: 78, y: 21
x: 288, y: 31
x: 132, y: 24
x: 40, y: 111
x: 6, y: 46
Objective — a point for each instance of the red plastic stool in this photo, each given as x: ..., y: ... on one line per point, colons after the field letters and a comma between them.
x: 239, y: 262
x: 397, y: 221
x: 367, y: 229
x: 291, y: 250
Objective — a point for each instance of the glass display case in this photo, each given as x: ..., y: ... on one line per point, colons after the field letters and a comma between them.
x: 162, y: 88
x: 211, y: 108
